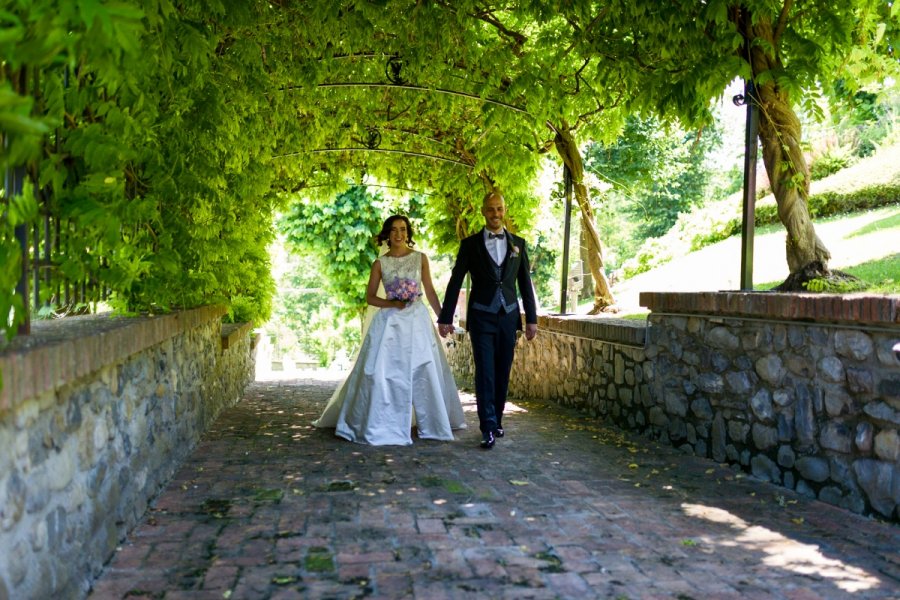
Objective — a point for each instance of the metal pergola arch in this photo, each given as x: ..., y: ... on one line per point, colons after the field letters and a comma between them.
x: 400, y: 85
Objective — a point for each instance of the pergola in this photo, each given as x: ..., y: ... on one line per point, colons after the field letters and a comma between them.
x: 139, y: 168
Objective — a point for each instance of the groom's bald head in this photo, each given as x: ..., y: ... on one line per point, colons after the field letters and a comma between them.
x: 493, y: 194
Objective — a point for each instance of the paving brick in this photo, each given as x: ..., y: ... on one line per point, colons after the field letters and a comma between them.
x: 268, y: 506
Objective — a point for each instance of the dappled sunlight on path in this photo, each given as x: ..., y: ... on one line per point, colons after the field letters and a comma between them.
x: 783, y: 553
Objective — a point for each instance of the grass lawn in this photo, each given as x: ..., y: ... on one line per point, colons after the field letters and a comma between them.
x: 879, y: 276
x: 865, y: 244
x: 883, y: 275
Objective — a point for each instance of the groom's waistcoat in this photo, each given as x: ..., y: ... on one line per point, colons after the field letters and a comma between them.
x: 498, y: 302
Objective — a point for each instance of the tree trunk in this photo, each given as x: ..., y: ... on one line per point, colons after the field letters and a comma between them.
x: 568, y: 151
x: 781, y: 136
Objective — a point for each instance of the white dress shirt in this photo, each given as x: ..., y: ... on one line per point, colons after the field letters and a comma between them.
x: 496, y: 246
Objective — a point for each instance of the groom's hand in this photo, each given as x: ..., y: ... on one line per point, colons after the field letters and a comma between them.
x: 444, y: 329
x: 530, y: 331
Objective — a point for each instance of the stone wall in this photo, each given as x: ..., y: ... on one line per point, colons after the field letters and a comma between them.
x: 800, y: 389
x: 96, y: 413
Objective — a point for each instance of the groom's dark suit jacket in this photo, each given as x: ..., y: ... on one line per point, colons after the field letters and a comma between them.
x: 474, y: 258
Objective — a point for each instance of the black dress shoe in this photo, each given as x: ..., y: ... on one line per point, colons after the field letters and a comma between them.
x: 487, y: 440
x: 499, y: 432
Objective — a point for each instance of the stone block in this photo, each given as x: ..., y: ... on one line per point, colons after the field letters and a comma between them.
x: 782, y: 397
x: 805, y: 490
x: 853, y: 344
x: 800, y: 365
x: 701, y: 409
x: 786, y: 456
x: 700, y: 449
x: 738, y: 431
x: 864, y: 437
x: 813, y: 468
x: 676, y: 404
x: 771, y: 369
x: 804, y: 417
x: 723, y: 338
x: 831, y: 369
x: 761, y: 404
x: 732, y: 454
x: 860, y: 381
x: 881, y: 483
x: 739, y: 383
x: 710, y: 383
x: 764, y: 437
x: 718, y: 438
x: 887, y: 445
x: 762, y: 466
x: 658, y: 417
x: 837, y: 402
x: 889, y: 387
x: 677, y: 430
x: 836, y: 436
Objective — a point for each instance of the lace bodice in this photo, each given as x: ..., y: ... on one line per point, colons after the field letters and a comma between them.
x: 401, y: 267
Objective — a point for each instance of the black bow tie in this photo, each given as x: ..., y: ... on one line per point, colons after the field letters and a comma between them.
x: 494, y: 236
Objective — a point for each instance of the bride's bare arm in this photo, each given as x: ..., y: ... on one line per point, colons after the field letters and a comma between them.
x: 430, y: 294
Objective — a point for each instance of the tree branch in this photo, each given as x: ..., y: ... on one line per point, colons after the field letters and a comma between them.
x: 583, y: 118
x: 782, y: 22
x: 487, y: 15
x: 587, y: 29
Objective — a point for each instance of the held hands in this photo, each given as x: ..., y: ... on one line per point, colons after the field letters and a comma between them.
x: 531, y: 330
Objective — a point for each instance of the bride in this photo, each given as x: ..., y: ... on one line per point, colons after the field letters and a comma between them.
x: 400, y: 377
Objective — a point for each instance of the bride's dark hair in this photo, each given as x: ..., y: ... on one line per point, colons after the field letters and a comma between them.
x: 385, y: 234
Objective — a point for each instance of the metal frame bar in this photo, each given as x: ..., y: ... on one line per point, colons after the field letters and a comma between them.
x: 384, y: 150
x: 748, y: 214
x: 564, y: 282
x: 413, y: 88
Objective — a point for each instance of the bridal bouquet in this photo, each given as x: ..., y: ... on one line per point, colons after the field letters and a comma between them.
x: 406, y: 290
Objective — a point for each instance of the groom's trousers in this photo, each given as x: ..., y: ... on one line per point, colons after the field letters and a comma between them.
x: 493, y: 338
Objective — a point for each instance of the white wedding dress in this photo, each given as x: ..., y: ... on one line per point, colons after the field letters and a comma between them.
x: 400, y: 377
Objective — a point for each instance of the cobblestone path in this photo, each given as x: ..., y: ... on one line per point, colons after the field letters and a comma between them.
x: 563, y: 507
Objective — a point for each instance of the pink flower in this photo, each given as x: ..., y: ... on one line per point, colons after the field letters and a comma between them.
x: 406, y: 290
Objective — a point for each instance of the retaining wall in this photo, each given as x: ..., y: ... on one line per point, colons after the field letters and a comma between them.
x: 800, y: 389
x: 96, y: 413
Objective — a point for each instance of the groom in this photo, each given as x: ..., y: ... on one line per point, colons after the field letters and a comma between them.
x: 496, y: 261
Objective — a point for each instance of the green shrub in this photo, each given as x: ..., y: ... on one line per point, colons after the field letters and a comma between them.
x: 652, y: 254
x: 830, y: 162
x: 827, y: 286
x: 827, y: 204
x: 243, y: 310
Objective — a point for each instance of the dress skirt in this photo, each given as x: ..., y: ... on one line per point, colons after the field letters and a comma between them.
x: 400, y: 378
